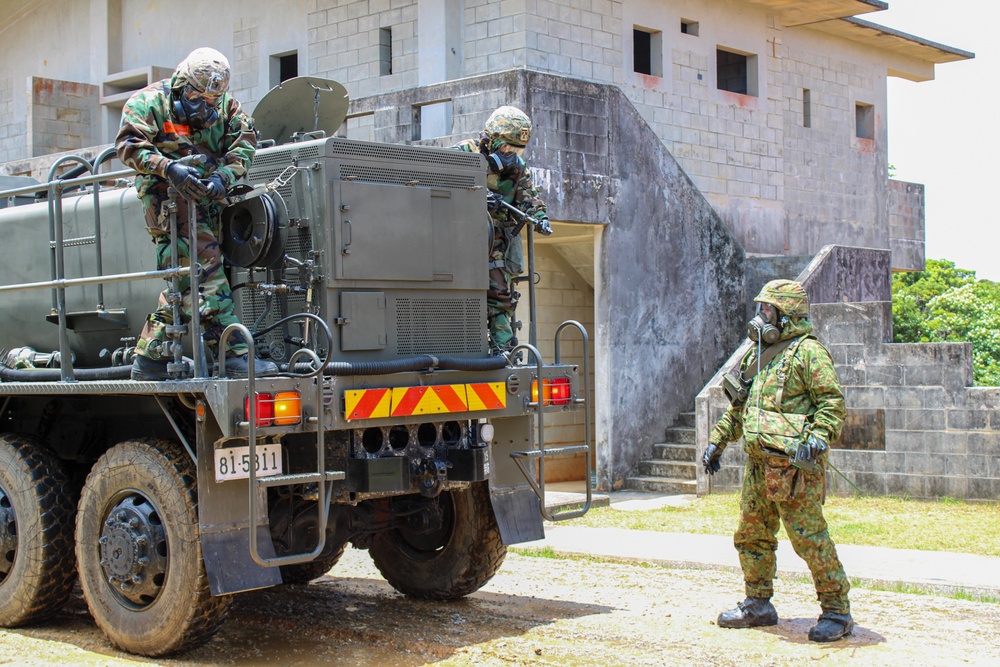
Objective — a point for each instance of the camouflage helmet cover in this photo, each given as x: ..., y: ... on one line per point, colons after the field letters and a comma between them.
x: 510, y: 125
x: 206, y: 70
x: 787, y: 296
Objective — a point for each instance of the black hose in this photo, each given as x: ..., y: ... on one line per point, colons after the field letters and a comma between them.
x: 409, y: 364
x: 55, y: 375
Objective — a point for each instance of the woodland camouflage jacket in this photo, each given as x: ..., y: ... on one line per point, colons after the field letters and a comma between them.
x: 151, y: 136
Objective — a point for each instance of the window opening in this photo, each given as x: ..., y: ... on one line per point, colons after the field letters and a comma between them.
x: 806, y: 107
x: 689, y: 27
x: 385, y: 51
x: 736, y: 72
x: 647, y: 51
x: 864, y: 120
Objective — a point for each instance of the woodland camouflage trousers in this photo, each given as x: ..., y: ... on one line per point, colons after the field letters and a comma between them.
x: 773, y: 491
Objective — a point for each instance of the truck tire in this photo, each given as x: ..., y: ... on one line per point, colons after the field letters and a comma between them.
x: 451, y: 562
x: 139, y: 552
x: 37, y: 569
x: 303, y: 573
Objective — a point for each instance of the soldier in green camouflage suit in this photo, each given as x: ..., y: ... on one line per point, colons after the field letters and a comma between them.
x: 188, y: 132
x: 794, y: 399
x: 507, y: 132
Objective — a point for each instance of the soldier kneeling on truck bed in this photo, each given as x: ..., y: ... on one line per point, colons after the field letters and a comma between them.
x: 188, y: 132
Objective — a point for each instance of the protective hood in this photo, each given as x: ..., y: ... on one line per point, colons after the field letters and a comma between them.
x: 795, y: 326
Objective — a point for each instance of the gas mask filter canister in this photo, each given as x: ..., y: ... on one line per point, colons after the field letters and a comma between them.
x: 761, y: 330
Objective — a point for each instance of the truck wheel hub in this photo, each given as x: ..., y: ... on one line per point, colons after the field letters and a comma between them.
x: 8, y: 535
x: 134, y: 551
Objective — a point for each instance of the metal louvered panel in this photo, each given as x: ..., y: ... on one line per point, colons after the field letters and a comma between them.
x: 401, y: 153
x: 350, y: 172
x: 440, y: 326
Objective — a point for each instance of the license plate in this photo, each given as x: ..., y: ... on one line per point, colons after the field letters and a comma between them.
x: 234, y: 462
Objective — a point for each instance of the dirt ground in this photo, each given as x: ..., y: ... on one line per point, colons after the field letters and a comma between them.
x: 540, y: 611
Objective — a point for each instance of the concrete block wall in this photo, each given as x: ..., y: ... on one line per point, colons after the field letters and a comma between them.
x: 906, y: 225
x: 916, y: 426
x: 13, y: 137
x: 61, y: 115
x: 245, y: 61
x: 344, y: 43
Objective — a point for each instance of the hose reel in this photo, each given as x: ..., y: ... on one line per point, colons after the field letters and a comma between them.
x: 254, y: 231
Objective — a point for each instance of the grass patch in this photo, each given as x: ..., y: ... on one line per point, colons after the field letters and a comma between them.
x: 899, y: 523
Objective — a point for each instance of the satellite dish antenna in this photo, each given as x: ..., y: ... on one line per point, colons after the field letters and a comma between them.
x: 301, y: 105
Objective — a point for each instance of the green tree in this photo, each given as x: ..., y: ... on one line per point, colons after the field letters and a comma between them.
x: 944, y: 303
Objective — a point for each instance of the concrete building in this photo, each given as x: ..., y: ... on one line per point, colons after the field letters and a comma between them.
x: 690, y: 150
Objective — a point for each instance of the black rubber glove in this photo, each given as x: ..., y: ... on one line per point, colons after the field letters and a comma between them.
x: 543, y: 227
x: 711, y: 459
x: 215, y: 187
x: 185, y: 180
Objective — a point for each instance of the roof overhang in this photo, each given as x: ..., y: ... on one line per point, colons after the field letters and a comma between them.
x: 916, y: 56
x: 803, y: 12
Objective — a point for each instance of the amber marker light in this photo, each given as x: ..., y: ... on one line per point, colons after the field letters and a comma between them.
x: 287, y: 408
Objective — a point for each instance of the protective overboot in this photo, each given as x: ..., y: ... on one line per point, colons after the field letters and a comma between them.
x: 239, y: 367
x: 831, y: 627
x: 751, y: 613
x: 150, y: 370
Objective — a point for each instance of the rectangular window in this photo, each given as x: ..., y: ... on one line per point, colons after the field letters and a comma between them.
x: 283, y: 66
x: 864, y: 120
x: 689, y: 27
x: 806, y: 108
x: 385, y: 51
x: 647, y: 51
x: 736, y: 72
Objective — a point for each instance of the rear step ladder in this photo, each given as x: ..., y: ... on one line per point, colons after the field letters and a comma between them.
x: 523, y: 459
x: 326, y: 477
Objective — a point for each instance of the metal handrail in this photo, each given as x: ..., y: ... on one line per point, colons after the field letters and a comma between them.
x: 586, y: 409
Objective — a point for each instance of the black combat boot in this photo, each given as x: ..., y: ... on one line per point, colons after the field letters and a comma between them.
x: 831, y: 627
x: 751, y: 613
x: 239, y: 367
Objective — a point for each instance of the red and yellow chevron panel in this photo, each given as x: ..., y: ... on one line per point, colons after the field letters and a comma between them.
x: 433, y: 399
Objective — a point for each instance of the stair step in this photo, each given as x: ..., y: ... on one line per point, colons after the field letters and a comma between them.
x: 672, y: 451
x: 671, y: 469
x: 682, y: 435
x: 661, y: 484
x: 685, y: 420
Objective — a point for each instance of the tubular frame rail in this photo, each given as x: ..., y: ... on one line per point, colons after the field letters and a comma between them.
x: 326, y: 477
x: 540, y: 453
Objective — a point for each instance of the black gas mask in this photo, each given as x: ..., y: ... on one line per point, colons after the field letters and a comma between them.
x: 764, y: 329
x: 194, y: 108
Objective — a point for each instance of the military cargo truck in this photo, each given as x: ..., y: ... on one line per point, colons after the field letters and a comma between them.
x: 361, y: 269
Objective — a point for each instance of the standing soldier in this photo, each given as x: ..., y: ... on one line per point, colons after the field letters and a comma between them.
x: 787, y: 406
x: 507, y: 132
x: 189, y: 117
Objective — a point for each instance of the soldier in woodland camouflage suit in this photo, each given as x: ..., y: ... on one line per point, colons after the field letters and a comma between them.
x: 189, y: 117
x: 502, y: 142
x: 794, y: 405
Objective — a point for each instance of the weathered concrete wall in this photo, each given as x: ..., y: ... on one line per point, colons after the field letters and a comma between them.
x: 906, y: 225
x: 61, y: 116
x: 915, y: 425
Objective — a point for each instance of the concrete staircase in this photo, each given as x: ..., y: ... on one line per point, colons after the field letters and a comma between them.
x: 673, y: 466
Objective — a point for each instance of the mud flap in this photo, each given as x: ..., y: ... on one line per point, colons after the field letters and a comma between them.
x: 518, y: 514
x: 229, y: 565
x: 515, y: 504
x: 224, y: 523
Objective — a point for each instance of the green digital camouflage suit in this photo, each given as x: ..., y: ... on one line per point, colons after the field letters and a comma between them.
x: 506, y: 253
x: 773, y: 489
x: 151, y: 136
